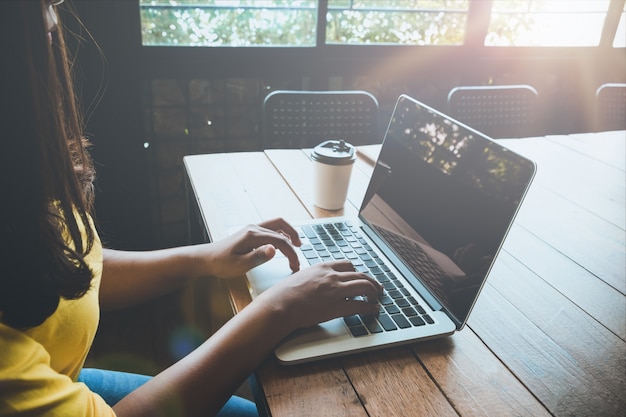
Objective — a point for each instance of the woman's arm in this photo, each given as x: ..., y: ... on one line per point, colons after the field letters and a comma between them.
x: 129, y: 278
x: 132, y: 277
x: 203, y: 381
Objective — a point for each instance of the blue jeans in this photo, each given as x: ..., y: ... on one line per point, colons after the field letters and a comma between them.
x: 112, y: 386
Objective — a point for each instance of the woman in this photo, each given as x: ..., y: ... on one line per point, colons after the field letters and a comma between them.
x: 55, y: 276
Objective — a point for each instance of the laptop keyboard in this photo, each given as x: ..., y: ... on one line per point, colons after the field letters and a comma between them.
x: 398, y: 309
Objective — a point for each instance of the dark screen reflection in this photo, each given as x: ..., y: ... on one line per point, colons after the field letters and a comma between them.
x: 443, y: 198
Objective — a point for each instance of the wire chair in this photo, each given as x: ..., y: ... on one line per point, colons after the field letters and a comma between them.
x: 499, y: 111
x: 306, y: 118
x: 610, y: 107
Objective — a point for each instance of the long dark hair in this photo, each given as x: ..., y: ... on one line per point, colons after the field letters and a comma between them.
x: 46, y: 174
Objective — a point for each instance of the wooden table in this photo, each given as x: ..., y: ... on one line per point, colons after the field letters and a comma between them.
x: 547, y: 336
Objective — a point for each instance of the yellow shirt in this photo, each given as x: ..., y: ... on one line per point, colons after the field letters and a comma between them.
x: 39, y: 366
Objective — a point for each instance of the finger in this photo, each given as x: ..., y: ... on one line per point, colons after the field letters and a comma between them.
x: 287, y: 249
x: 342, y: 265
x: 260, y: 255
x: 283, y: 243
x: 258, y: 235
x: 351, y: 274
x: 361, y: 288
x: 284, y: 227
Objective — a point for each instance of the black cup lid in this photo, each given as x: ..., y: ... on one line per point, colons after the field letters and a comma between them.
x: 334, y: 152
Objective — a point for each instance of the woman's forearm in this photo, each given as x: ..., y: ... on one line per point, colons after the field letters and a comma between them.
x: 129, y: 278
x: 203, y: 381
x: 132, y: 277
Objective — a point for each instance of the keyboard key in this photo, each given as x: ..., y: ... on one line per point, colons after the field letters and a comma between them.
x: 409, y: 311
x: 402, y: 303
x: 319, y: 247
x: 371, y: 324
x: 387, y: 323
x: 385, y: 300
x: 358, y: 331
x: 395, y: 294
x: 382, y: 278
x: 352, y: 321
x: 368, y: 261
x: 309, y: 254
x: 401, y: 321
x: 392, y: 309
x: 417, y: 321
x: 309, y: 232
x: 366, y: 258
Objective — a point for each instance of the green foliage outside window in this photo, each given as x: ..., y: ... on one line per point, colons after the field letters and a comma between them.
x: 408, y: 22
x: 293, y: 23
x: 228, y: 22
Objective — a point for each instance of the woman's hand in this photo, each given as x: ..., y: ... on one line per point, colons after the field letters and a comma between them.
x: 253, y: 245
x: 311, y: 296
x: 322, y: 292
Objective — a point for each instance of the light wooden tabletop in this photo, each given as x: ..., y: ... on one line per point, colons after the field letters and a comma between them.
x: 547, y: 335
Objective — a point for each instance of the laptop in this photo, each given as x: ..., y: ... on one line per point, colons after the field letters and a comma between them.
x: 438, y: 207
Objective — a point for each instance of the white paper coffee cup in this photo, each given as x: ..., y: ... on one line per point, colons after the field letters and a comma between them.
x: 332, y: 166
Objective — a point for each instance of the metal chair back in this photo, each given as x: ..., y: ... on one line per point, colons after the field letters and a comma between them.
x: 611, y: 107
x: 306, y: 118
x: 499, y: 111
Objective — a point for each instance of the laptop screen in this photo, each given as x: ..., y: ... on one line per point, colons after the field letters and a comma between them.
x: 443, y: 197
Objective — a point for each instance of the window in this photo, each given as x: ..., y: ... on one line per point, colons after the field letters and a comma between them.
x: 294, y: 22
x: 409, y: 22
x: 228, y: 22
x: 546, y: 22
